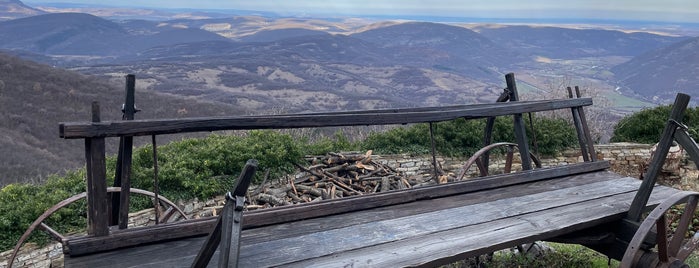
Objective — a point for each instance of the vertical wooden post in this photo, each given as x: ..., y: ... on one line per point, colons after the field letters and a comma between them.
x: 586, y: 129
x: 434, y: 154
x: 120, y: 201
x: 582, y: 140
x: 520, y: 132
x: 656, y: 164
x: 97, y: 218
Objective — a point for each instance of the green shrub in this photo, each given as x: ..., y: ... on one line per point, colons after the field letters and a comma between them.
x: 646, y: 126
x: 339, y: 142
x: 21, y: 204
x: 207, y: 167
x: 464, y: 137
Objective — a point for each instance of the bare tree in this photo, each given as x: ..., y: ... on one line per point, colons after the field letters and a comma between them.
x: 600, y: 119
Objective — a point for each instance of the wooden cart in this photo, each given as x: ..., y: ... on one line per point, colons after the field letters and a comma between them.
x: 580, y: 203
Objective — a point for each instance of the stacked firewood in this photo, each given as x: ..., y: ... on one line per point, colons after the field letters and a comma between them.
x: 331, y: 176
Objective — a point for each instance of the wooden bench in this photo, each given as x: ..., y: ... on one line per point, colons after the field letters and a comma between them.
x: 581, y: 203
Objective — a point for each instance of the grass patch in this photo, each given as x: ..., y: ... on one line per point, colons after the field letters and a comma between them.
x: 626, y: 103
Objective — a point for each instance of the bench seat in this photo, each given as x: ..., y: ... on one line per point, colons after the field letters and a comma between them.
x: 425, y: 232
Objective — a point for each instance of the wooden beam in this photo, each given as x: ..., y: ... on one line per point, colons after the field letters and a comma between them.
x: 656, y: 164
x: 130, y: 237
x: 97, y: 218
x: 75, y: 130
x: 520, y: 131
x: 125, y: 155
x: 586, y: 128
x: 579, y: 129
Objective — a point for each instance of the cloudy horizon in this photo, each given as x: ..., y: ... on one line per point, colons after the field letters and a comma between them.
x: 681, y: 11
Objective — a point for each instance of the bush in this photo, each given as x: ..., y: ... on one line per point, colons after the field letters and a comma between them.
x: 646, y: 126
x: 207, y: 167
x: 21, y: 204
x: 464, y: 137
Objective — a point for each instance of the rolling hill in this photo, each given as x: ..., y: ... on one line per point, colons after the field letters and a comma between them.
x: 568, y: 43
x: 441, y: 46
x: 34, y: 98
x: 87, y: 35
x: 65, y: 33
x: 316, y: 72
x: 658, y: 75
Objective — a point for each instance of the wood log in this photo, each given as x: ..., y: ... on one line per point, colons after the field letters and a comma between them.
x: 272, y: 200
x: 310, y: 190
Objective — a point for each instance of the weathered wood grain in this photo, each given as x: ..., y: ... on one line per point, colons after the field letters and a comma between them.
x: 454, y: 244
x: 479, y: 228
x: 650, y: 177
x: 278, y: 231
x: 97, y: 207
x: 74, y: 130
x: 520, y: 131
x: 388, y: 231
x: 130, y: 237
x: 582, y: 140
x: 586, y: 128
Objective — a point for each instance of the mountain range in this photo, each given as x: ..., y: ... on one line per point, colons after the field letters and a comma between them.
x: 658, y: 75
x: 34, y: 98
x: 252, y: 64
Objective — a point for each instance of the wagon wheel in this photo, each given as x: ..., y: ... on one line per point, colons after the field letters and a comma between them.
x: 39, y: 222
x: 476, y: 158
x: 670, y: 253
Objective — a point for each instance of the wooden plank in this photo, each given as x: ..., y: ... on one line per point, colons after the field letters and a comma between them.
x: 82, y: 245
x: 73, y: 130
x: 279, y: 231
x: 455, y: 244
x: 520, y: 131
x: 387, y: 231
x: 85, y: 245
x: 170, y: 254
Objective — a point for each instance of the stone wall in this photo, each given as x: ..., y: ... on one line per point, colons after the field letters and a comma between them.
x: 625, y: 158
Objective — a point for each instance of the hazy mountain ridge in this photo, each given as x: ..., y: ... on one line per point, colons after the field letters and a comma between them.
x: 442, y: 46
x: 658, y: 75
x: 570, y: 43
x: 88, y: 35
x: 34, y: 98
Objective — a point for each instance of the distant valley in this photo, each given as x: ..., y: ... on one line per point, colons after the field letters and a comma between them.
x: 215, y: 64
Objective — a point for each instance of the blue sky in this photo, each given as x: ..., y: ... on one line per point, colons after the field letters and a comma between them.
x: 650, y: 10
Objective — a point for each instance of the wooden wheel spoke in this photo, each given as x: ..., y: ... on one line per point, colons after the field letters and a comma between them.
x: 683, y: 226
x: 661, y: 227
x: 688, y: 248
x: 670, y: 252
